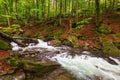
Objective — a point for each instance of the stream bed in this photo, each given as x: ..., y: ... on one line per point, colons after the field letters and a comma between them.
x: 75, y: 64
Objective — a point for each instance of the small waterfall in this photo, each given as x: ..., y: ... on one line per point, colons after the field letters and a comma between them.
x: 41, y: 44
x: 83, y: 67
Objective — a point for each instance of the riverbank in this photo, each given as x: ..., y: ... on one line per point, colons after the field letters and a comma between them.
x: 87, y: 37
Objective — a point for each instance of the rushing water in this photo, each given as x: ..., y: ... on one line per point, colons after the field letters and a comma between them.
x: 83, y: 67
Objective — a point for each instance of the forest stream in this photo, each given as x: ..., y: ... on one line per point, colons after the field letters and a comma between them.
x: 84, y: 65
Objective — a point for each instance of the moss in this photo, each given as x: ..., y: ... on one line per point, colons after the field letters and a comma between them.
x: 110, y: 49
x: 74, y: 41
x: 57, y: 34
x: 30, y: 65
x: 36, y: 35
x: 4, y: 45
x: 15, y: 28
x: 117, y: 35
x: 38, y: 67
x: 117, y: 44
x: 104, y: 29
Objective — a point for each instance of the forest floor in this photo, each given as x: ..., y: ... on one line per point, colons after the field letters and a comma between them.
x: 86, y: 35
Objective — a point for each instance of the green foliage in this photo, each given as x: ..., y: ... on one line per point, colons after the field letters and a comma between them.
x: 117, y: 35
x: 13, y: 29
x: 81, y: 24
x: 29, y: 64
x: 36, y: 35
x: 110, y: 49
x: 58, y: 33
x: 23, y: 10
x: 104, y: 29
x: 4, y: 45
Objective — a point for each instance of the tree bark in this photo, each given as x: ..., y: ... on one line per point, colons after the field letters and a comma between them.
x: 97, y: 3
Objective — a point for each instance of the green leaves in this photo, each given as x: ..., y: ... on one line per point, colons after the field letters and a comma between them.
x: 81, y: 24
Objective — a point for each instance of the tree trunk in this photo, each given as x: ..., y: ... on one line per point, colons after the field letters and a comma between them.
x: 97, y: 13
x: 7, y: 13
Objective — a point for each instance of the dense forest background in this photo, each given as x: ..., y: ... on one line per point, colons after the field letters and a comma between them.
x: 22, y: 11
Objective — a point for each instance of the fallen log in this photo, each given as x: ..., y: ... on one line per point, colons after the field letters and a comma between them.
x: 10, y: 39
x: 26, y: 40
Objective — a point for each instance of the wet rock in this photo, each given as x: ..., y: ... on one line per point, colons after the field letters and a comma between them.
x: 19, y: 75
x: 33, y: 66
x: 30, y: 66
x: 44, y: 56
x: 66, y: 42
x: 74, y: 41
x: 75, y: 51
x: 58, y: 74
x: 54, y: 43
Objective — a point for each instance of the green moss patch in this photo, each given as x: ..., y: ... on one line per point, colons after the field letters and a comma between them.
x: 4, y: 45
x: 110, y: 49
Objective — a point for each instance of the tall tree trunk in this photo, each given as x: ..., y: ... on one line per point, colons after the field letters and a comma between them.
x: 56, y: 7
x: 7, y: 13
x: 65, y: 8
x: 49, y: 8
x: 97, y: 3
x: 15, y: 8
x: 60, y: 12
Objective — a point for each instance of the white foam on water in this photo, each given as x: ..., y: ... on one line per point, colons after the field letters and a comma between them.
x: 40, y: 44
x: 89, y: 68
x: 83, y: 67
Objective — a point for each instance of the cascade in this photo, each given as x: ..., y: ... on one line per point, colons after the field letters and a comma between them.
x: 83, y: 67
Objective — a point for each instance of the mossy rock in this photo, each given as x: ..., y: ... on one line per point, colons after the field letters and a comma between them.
x: 64, y: 41
x: 38, y: 67
x: 110, y: 49
x: 55, y: 43
x: 4, y: 45
x: 30, y: 65
x: 74, y: 41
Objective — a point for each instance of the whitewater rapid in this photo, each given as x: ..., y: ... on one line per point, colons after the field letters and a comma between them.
x: 83, y: 67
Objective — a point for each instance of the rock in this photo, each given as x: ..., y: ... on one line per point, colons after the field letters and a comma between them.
x: 55, y: 43
x: 30, y: 66
x: 74, y: 41
x: 4, y: 45
x: 110, y: 49
x: 38, y: 67
x: 58, y: 74
x: 66, y: 42
x: 19, y: 75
